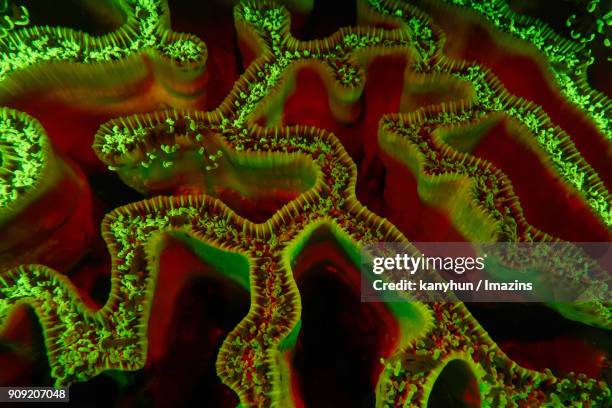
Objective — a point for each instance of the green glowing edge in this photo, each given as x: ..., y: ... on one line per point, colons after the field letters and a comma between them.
x: 377, y: 230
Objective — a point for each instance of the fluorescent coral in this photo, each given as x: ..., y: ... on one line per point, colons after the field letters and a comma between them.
x: 260, y: 200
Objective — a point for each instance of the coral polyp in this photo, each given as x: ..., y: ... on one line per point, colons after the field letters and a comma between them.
x: 34, y: 177
x: 278, y: 206
x: 26, y: 159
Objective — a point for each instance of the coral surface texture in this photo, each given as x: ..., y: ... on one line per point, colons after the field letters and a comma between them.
x: 188, y: 189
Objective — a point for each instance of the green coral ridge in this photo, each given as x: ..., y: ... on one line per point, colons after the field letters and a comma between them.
x: 147, y: 29
x: 115, y: 336
x: 272, y: 26
x: 568, y: 60
x: 491, y: 211
x: 490, y: 96
x: 560, y: 150
x: 83, y: 342
x: 91, y: 341
x: 25, y: 160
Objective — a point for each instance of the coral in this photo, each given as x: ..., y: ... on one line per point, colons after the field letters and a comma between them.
x: 146, y: 29
x: 33, y: 177
x: 26, y: 157
x: 489, y: 96
x: 13, y: 16
x: 246, y: 361
x: 568, y: 60
x: 198, y: 156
